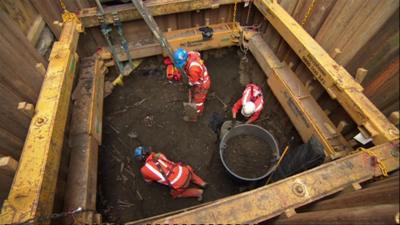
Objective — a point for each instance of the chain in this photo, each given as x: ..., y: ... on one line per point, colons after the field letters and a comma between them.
x: 309, y: 12
x: 380, y: 163
x: 55, y: 216
x: 63, y: 5
x: 234, y: 15
x: 68, y: 16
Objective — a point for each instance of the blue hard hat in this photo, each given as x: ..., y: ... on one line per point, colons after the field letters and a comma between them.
x: 180, y: 57
x: 138, y: 152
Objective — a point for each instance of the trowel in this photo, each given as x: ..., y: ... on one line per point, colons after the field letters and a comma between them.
x: 190, y: 110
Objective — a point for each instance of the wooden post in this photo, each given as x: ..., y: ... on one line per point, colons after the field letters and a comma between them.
x: 342, y: 124
x: 394, y: 118
x: 50, y: 11
x: 8, y: 166
x: 27, y: 109
x: 289, y: 213
x: 361, y: 74
x: 36, y: 29
x: 40, y: 67
x: 335, y: 53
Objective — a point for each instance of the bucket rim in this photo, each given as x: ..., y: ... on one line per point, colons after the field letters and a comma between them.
x: 276, y: 149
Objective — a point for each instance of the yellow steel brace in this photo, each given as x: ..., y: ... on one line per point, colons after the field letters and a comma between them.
x: 32, y: 193
x: 333, y: 77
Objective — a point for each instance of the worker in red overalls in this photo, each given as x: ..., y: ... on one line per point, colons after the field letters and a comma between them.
x: 198, y: 77
x: 251, y: 103
x: 177, y: 176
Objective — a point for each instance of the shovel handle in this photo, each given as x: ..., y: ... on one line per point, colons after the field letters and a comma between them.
x: 190, y: 95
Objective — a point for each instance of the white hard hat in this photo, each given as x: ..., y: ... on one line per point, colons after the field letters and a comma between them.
x: 248, y: 109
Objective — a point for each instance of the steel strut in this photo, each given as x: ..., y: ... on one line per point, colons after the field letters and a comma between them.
x: 124, y: 42
x: 151, y: 23
x: 106, y: 30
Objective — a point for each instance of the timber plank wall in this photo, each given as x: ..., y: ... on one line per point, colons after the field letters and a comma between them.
x: 366, y: 33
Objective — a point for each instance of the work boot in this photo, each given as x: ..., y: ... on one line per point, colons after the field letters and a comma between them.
x: 197, y: 180
x: 200, y: 198
x: 188, y: 193
x: 204, y: 186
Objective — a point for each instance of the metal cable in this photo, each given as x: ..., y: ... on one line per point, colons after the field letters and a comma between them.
x: 40, y: 219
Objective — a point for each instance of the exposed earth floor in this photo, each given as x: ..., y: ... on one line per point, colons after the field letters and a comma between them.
x: 148, y: 111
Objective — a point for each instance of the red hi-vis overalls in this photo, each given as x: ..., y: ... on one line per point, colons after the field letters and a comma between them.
x: 175, y: 175
x: 198, y: 79
x: 252, y: 93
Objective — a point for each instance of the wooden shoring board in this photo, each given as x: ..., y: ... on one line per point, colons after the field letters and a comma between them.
x: 128, y: 12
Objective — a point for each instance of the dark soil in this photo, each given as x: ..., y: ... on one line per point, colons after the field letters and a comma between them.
x: 248, y: 156
x: 148, y: 111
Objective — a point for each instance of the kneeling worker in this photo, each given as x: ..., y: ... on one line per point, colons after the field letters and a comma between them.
x: 177, y: 176
x: 252, y: 102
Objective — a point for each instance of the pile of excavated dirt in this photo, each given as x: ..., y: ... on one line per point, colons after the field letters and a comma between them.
x: 248, y: 156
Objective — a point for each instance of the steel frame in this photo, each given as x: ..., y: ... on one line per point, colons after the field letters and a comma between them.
x: 333, y: 77
x: 32, y: 193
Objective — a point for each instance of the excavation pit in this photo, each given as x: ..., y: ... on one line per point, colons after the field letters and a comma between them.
x: 148, y: 111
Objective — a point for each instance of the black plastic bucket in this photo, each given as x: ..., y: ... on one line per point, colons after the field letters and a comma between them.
x: 252, y: 130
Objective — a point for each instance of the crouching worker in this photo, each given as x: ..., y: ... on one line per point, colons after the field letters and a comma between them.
x: 251, y: 103
x: 177, y: 176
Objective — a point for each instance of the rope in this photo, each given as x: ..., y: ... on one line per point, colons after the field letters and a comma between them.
x: 380, y: 163
x: 309, y: 12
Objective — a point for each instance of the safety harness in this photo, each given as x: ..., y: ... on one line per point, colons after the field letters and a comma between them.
x: 155, y: 159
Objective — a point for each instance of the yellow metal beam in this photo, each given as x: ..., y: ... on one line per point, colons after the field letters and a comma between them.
x: 304, y: 112
x: 128, y: 12
x: 33, y: 189
x: 190, y: 39
x: 333, y: 77
x: 272, y: 200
